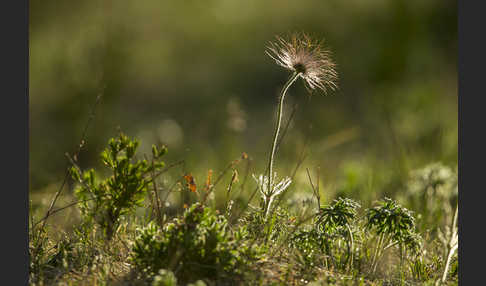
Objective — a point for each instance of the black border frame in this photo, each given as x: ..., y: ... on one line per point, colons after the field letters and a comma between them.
x: 471, y: 62
x: 14, y: 24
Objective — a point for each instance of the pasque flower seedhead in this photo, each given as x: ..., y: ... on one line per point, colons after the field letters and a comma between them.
x: 307, y: 57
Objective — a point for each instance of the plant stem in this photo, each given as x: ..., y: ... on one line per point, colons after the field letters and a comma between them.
x: 374, y: 262
x: 452, y: 246
x: 350, y: 247
x: 291, y: 80
x: 381, y: 250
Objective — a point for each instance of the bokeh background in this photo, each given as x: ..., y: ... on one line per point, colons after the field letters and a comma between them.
x: 194, y: 75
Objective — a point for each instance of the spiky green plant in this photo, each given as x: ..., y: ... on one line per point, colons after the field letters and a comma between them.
x: 394, y: 225
x: 339, y: 215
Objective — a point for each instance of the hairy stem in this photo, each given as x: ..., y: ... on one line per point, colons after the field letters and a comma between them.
x: 291, y: 80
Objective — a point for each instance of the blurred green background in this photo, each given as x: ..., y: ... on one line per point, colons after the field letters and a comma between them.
x: 194, y: 75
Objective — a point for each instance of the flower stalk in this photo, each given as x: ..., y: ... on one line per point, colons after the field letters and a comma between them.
x: 291, y: 80
x: 306, y: 59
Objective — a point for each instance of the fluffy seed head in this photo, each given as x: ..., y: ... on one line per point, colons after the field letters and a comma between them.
x: 299, y: 53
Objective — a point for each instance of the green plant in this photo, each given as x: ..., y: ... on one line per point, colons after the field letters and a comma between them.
x: 423, y: 270
x: 332, y: 227
x: 60, y: 257
x: 311, y: 246
x: 395, y: 225
x: 105, y: 201
x: 195, y: 246
x: 254, y: 223
x: 337, y: 218
x: 38, y: 253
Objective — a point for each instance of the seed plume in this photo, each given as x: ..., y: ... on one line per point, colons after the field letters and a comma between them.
x: 300, y: 54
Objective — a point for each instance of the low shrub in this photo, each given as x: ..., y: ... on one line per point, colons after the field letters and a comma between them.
x: 197, y: 245
x: 105, y: 201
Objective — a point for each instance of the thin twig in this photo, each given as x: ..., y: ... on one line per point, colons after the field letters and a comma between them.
x: 234, y: 178
x: 168, y: 168
x: 75, y: 156
x: 65, y: 207
x: 156, y: 196
x: 284, y: 131
x: 312, y: 185
x: 302, y: 158
x: 183, y: 167
x: 151, y: 195
x: 218, y: 179
x: 247, y: 173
